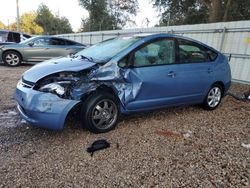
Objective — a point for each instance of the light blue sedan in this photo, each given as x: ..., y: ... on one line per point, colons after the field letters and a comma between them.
x: 123, y: 75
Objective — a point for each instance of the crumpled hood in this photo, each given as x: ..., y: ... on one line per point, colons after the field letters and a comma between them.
x: 55, y: 65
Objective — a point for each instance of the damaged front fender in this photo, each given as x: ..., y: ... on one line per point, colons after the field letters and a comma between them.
x: 124, y: 82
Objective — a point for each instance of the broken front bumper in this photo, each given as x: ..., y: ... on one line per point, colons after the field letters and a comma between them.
x: 43, y: 110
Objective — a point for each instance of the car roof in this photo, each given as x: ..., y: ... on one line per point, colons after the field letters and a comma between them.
x: 151, y: 36
x: 54, y: 37
x: 46, y: 36
x: 9, y: 31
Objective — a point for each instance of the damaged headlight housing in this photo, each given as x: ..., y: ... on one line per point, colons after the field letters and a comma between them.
x: 58, y: 84
x: 58, y: 88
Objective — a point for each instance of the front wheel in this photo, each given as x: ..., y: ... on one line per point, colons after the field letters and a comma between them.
x: 213, y: 97
x: 100, y: 112
x: 11, y: 58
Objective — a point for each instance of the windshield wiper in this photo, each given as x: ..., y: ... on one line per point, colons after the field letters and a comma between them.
x: 88, y: 58
x: 84, y: 57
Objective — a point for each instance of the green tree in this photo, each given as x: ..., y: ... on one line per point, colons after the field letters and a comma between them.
x: 227, y: 10
x: 28, y: 24
x: 107, y: 14
x: 62, y: 25
x: 175, y: 12
x: 50, y: 23
x: 45, y: 18
x: 98, y: 19
x: 121, y: 11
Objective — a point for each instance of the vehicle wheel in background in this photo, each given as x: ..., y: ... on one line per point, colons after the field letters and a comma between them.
x: 11, y: 58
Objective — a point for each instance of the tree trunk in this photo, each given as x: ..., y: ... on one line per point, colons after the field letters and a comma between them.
x: 215, y: 11
x: 227, y: 9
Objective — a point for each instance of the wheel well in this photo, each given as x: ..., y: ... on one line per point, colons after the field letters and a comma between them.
x: 13, y: 51
x: 222, y: 86
x: 107, y: 89
x: 101, y: 88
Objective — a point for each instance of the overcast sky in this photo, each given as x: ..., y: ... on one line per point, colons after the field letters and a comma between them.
x: 71, y: 10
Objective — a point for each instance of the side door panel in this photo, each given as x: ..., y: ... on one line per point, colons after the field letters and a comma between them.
x: 195, y: 71
x: 152, y: 65
x: 184, y: 81
x: 39, y: 51
x: 157, y: 88
x: 193, y: 81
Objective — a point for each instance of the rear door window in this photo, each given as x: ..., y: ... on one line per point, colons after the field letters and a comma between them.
x: 191, y: 52
x: 68, y: 42
x: 55, y: 41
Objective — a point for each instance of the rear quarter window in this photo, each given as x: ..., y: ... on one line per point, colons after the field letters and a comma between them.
x: 192, y: 52
x: 55, y: 41
x: 68, y: 42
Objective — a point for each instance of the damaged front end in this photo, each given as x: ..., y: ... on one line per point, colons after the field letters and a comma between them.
x: 47, y: 102
x: 50, y: 90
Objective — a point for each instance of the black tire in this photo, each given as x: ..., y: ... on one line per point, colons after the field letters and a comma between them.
x: 213, y: 97
x: 12, y: 58
x: 100, y: 112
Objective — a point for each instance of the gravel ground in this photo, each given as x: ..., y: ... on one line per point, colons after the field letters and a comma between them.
x: 176, y: 147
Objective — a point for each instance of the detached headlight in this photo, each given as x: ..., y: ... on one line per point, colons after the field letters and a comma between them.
x: 58, y: 88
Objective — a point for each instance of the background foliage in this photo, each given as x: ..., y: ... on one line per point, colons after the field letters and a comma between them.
x: 41, y: 22
x: 177, y: 12
x: 108, y: 14
x: 115, y: 14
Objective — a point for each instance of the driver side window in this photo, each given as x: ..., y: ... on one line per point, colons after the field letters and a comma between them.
x: 41, y: 42
x: 156, y: 53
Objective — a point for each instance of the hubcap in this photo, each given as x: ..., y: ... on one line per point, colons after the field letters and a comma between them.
x: 104, y: 114
x: 12, y: 59
x: 214, y: 97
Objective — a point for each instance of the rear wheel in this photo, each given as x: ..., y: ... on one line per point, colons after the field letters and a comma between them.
x: 213, y: 97
x: 100, y: 112
x: 11, y: 58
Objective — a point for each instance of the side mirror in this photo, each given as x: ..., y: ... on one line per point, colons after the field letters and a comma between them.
x: 127, y: 62
x: 122, y: 64
x: 31, y: 44
x: 131, y: 60
x: 71, y: 55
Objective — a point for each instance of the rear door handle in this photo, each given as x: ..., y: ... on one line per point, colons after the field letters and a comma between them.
x: 171, y: 74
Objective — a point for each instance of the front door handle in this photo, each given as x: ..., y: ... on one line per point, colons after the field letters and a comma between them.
x: 171, y: 74
x: 209, y: 70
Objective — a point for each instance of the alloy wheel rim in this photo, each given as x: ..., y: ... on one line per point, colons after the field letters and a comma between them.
x: 214, y: 97
x: 104, y: 114
x: 12, y: 59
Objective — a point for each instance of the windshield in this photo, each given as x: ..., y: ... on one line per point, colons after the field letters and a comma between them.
x: 27, y: 40
x: 105, y: 50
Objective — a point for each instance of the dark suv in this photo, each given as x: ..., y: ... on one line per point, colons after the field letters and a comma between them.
x: 9, y: 37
